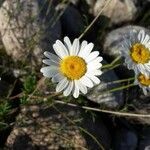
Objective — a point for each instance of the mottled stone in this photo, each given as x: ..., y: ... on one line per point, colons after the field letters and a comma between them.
x: 118, y: 11
x: 90, y: 2
x: 141, y: 104
x: 26, y: 29
x: 53, y: 130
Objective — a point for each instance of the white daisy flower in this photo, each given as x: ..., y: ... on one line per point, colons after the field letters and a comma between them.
x: 143, y: 81
x: 75, y: 67
x: 136, y: 50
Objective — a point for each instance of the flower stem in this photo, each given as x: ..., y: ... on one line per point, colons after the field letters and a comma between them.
x: 122, y: 80
x: 113, y: 67
x: 111, y: 64
x: 121, y: 88
x: 115, y: 60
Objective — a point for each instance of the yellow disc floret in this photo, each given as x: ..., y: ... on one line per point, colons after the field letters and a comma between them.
x: 144, y: 80
x: 73, y: 67
x: 139, y: 53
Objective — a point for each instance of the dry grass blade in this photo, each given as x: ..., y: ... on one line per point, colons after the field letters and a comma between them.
x: 37, y: 87
x: 91, y: 24
x: 117, y: 113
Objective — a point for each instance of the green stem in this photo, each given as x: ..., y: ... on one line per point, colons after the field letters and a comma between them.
x: 115, y: 60
x: 111, y: 64
x: 106, y: 66
x: 112, y: 67
x: 121, y: 88
x: 122, y: 80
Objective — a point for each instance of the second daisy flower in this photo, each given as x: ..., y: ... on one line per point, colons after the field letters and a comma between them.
x: 136, y: 51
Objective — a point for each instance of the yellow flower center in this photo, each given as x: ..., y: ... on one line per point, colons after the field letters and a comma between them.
x: 139, y: 53
x: 144, y: 80
x: 73, y: 67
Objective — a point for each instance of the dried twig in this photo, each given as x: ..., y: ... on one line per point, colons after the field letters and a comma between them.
x: 95, y: 19
x: 117, y: 113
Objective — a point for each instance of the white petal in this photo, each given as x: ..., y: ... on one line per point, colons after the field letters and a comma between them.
x: 51, y: 56
x: 93, y: 66
x: 92, y: 56
x: 126, y: 44
x: 93, y: 78
x: 134, y: 67
x: 86, y: 81
x: 82, y: 87
x: 125, y: 52
x: 68, y: 89
x: 97, y: 60
x: 136, y: 81
x: 83, y: 45
x: 141, y: 36
x: 58, y: 50
x: 95, y: 72
x: 76, y: 90
x: 141, y: 68
x: 57, y: 78
x: 49, y: 71
x: 87, y: 50
x: 67, y: 43
x: 61, y: 46
x: 144, y: 91
x: 75, y: 47
x: 50, y: 62
x: 148, y: 45
x: 62, y: 85
x: 147, y: 67
x: 146, y: 39
x: 130, y: 66
x: 127, y: 59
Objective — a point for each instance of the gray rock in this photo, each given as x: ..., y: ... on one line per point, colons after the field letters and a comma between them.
x: 90, y: 2
x: 26, y: 31
x: 72, y: 22
x: 100, y: 94
x: 57, y: 2
x: 75, y: 2
x: 118, y: 11
x: 43, y: 127
x: 144, y: 142
x: 142, y: 106
x: 125, y: 140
